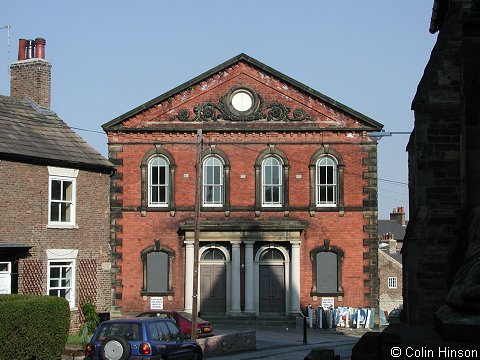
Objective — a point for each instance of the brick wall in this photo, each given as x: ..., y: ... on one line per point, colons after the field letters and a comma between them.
x: 351, y: 227
x: 24, y: 209
x: 32, y: 78
x: 348, y: 230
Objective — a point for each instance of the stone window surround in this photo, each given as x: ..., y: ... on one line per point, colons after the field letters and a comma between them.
x: 157, y: 151
x: 213, y: 151
x: 326, y: 150
x: 271, y: 151
x: 340, y: 257
x: 157, y: 247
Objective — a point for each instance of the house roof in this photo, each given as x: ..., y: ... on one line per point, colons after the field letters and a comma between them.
x: 257, y: 64
x: 397, y: 256
x: 32, y: 134
x: 391, y: 227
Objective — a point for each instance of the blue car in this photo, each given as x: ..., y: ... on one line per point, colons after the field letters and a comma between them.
x: 140, y: 338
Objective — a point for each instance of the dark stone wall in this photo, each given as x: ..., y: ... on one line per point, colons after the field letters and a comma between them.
x: 438, y: 166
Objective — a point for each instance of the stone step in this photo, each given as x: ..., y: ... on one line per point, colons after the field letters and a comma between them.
x: 284, y: 321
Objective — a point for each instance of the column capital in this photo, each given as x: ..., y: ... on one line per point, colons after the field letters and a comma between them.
x: 249, y: 242
x: 235, y: 242
x: 295, y: 243
x: 189, y: 243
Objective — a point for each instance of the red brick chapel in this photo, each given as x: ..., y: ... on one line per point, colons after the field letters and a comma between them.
x: 288, y: 197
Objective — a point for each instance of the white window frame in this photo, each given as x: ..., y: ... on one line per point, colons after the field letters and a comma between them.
x: 392, y: 282
x: 264, y: 185
x: 322, y: 187
x: 166, y: 185
x: 216, y: 162
x: 63, y: 175
x: 55, y: 258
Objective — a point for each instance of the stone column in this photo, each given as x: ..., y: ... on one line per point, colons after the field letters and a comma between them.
x: 295, y: 280
x: 235, y: 311
x: 189, y: 257
x: 249, y: 281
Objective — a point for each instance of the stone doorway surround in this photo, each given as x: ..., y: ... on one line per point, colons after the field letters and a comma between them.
x: 249, y: 232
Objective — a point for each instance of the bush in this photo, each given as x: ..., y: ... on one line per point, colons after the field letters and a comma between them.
x: 91, y: 317
x: 33, y: 327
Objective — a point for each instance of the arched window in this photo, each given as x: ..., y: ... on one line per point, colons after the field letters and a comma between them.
x: 213, y: 254
x: 213, y: 181
x: 158, y: 177
x: 271, y: 254
x: 326, y: 181
x: 272, y: 181
x: 158, y: 181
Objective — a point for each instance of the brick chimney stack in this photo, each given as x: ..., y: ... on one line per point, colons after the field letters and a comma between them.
x: 30, y: 75
x: 398, y: 214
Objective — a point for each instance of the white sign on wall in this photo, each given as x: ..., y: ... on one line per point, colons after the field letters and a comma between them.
x: 156, y: 303
x: 328, y: 302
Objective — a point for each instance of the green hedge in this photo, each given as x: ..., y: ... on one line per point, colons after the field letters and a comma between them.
x: 33, y: 327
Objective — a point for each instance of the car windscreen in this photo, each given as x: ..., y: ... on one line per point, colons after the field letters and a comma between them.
x: 128, y: 330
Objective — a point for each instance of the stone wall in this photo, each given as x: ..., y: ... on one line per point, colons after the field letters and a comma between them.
x: 438, y: 168
x: 228, y: 343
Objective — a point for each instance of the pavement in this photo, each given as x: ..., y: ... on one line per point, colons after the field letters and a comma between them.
x: 280, y: 343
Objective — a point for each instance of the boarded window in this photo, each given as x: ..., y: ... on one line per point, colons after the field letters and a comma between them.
x: 327, y: 272
x: 157, y: 271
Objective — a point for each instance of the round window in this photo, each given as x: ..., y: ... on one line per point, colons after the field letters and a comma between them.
x: 242, y: 100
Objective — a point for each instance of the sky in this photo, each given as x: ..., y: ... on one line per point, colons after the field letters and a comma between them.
x: 111, y: 56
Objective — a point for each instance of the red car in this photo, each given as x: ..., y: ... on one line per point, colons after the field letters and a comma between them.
x: 183, y: 321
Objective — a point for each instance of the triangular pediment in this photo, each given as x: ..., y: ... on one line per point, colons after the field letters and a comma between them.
x: 242, y: 93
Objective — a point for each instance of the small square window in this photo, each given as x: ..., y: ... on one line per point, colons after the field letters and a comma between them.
x: 392, y: 282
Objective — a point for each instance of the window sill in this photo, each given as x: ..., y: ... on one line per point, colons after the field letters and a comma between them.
x: 273, y: 208
x: 215, y: 208
x: 159, y: 208
x: 153, y: 293
x: 61, y: 226
x: 323, y: 294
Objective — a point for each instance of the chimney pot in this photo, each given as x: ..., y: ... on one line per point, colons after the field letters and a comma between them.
x: 40, y: 48
x: 30, y: 49
x: 21, y: 49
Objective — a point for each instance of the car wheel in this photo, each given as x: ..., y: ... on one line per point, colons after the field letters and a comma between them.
x: 115, y: 348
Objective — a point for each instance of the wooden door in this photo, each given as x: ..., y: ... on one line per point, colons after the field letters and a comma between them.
x: 272, y: 288
x: 213, y: 288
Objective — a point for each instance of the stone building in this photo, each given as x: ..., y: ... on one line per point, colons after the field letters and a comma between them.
x: 390, y: 235
x: 288, y: 197
x: 54, y: 203
x: 444, y: 169
x: 441, y: 252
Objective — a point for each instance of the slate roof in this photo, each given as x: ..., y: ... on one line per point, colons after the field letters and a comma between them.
x: 392, y: 227
x: 397, y: 256
x: 254, y: 63
x: 32, y: 134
